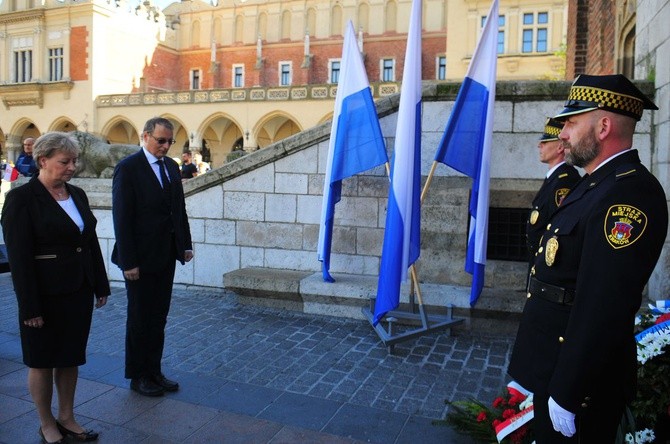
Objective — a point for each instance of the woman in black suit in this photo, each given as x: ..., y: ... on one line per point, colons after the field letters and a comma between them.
x: 58, y: 271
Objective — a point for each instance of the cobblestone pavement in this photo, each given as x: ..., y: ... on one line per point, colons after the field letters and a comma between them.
x: 211, y: 335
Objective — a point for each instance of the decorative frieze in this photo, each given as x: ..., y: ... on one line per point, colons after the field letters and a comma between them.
x: 323, y: 92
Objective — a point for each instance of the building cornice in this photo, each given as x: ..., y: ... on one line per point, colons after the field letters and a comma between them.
x: 25, y: 94
x: 22, y: 16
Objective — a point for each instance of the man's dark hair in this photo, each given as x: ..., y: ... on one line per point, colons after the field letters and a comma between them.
x: 151, y: 124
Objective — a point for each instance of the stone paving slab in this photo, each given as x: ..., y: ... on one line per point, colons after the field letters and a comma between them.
x: 289, y: 375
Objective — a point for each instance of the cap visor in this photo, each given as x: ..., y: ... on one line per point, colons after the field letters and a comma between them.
x: 568, y: 111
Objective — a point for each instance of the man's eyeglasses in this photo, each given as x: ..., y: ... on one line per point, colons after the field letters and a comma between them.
x: 162, y: 140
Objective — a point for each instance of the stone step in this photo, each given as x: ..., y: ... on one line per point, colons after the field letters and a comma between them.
x: 496, y: 310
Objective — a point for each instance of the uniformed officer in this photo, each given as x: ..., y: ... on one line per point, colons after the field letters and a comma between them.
x: 575, y: 347
x: 560, y: 178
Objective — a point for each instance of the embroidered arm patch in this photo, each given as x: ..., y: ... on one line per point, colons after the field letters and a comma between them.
x: 560, y: 195
x: 624, y: 224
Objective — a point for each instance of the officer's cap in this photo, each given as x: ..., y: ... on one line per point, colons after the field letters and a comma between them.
x: 614, y: 93
x: 552, y: 128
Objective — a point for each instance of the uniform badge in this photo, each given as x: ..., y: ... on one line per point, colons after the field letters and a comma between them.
x: 560, y: 195
x: 550, y: 252
x: 533, y: 217
x: 624, y: 224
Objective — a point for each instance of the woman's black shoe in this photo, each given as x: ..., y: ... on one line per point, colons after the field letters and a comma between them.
x: 85, y: 436
x: 44, y: 440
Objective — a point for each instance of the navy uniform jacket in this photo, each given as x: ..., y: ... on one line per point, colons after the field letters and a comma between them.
x: 48, y: 256
x: 602, y: 242
x: 148, y: 228
x: 547, y: 199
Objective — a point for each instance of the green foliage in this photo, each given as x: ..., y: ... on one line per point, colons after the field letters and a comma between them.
x: 463, y: 415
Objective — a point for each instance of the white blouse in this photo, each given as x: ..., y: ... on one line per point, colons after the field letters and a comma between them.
x: 72, y: 211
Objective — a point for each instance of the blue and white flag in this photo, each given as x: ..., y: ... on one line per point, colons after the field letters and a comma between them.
x: 403, y: 213
x: 356, y: 142
x: 466, y: 143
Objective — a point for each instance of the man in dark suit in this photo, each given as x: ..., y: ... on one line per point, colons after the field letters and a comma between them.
x: 152, y: 232
x: 559, y: 180
x: 575, y: 348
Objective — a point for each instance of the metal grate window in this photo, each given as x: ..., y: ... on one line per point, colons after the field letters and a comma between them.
x: 507, y: 234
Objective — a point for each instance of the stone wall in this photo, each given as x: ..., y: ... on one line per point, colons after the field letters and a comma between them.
x: 652, y: 45
x: 263, y: 210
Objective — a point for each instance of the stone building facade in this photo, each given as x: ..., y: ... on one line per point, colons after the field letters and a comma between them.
x: 234, y: 75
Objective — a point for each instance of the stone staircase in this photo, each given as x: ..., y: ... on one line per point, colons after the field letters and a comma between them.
x: 496, y: 311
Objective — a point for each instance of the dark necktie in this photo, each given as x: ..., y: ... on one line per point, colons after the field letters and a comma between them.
x: 164, y: 178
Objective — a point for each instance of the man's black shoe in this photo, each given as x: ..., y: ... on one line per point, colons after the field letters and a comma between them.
x: 146, y: 386
x: 165, y: 383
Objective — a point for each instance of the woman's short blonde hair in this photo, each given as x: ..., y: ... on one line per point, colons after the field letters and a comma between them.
x: 50, y: 143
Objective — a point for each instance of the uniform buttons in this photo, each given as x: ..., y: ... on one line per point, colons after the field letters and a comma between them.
x: 584, y: 405
x: 528, y: 295
x: 540, y: 250
x: 532, y: 271
x: 78, y: 249
x: 587, y: 398
x: 560, y: 339
x: 548, y: 226
x: 556, y: 230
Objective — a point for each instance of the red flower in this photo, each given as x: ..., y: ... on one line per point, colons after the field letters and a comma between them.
x: 496, y: 423
x: 482, y: 416
x: 499, y: 402
x: 663, y: 318
x: 516, y: 400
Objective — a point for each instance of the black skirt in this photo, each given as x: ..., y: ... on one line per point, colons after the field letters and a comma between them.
x: 61, y: 342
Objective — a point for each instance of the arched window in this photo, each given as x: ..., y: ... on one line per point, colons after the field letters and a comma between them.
x: 391, y: 16
x: 263, y: 25
x: 363, y: 17
x: 336, y: 21
x: 218, y: 33
x: 239, y: 28
x: 195, y: 34
x: 311, y: 22
x: 628, y: 55
x: 286, y: 25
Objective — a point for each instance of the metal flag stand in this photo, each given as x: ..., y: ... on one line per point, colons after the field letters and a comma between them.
x: 428, y: 323
x: 425, y: 323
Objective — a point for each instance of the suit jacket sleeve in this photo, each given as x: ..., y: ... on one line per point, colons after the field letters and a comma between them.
x: 124, y: 215
x: 182, y: 224
x: 99, y: 273
x: 16, y: 221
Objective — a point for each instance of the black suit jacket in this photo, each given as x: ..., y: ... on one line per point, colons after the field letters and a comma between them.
x: 609, y: 232
x: 148, y: 228
x: 548, y: 198
x: 48, y: 256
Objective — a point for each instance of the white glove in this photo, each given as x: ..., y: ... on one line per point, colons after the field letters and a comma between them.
x: 562, y: 420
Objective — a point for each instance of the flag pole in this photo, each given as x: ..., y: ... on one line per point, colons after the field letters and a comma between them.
x: 415, y: 288
x: 429, y: 179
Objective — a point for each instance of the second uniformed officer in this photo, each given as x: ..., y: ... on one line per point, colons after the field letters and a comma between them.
x: 575, y: 348
x: 559, y: 180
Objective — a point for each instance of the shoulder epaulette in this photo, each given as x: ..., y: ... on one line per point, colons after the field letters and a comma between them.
x: 561, y: 176
x: 626, y: 172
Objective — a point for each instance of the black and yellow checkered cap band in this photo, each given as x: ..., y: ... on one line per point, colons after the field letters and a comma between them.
x: 552, y: 128
x: 552, y: 131
x: 587, y: 98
